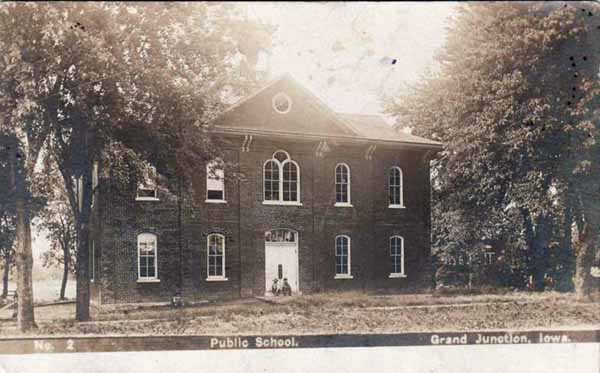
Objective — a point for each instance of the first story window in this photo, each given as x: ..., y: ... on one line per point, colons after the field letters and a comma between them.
x: 147, y: 257
x: 342, y: 257
x: 216, y: 256
x: 397, y: 256
x: 92, y: 268
x: 215, y: 181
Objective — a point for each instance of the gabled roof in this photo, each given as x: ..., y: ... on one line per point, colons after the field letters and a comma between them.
x: 373, y: 127
x: 308, y: 117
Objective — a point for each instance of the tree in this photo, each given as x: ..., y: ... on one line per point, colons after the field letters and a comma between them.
x: 511, y: 102
x: 7, y: 239
x: 7, y: 217
x: 142, y: 75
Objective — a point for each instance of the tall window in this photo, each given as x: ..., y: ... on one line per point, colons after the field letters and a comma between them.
x: 281, y: 179
x: 397, y: 256
x: 216, y: 257
x: 395, y: 187
x: 342, y: 256
x: 215, y: 181
x: 342, y: 184
x: 147, y: 190
x: 271, y: 178
x: 147, y: 253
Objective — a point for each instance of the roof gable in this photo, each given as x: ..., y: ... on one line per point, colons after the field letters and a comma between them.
x: 307, y: 114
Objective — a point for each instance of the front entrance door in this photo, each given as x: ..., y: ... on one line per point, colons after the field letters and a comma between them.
x: 281, y: 258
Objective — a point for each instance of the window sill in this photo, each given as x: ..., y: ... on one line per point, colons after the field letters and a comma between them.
x: 343, y: 204
x: 215, y: 201
x: 216, y: 279
x: 147, y: 280
x: 396, y: 206
x: 397, y: 275
x: 343, y: 277
x: 147, y: 199
x: 282, y: 203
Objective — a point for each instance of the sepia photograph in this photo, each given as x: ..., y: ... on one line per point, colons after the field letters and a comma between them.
x: 188, y: 176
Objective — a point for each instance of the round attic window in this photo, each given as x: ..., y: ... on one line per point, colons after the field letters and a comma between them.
x: 282, y: 103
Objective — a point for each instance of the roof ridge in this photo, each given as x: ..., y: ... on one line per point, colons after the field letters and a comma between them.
x: 323, y: 106
x: 255, y: 93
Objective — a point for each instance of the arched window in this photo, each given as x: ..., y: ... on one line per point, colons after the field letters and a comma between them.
x: 342, y: 184
x: 281, y: 177
x: 215, y: 181
x: 342, y: 257
x: 147, y: 257
x: 395, y: 187
x: 216, y: 257
x: 397, y: 256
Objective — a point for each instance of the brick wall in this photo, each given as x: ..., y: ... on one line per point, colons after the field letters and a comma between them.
x: 244, y: 219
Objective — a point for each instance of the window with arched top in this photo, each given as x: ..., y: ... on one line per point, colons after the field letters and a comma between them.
x: 395, y: 187
x: 215, y: 257
x: 342, y: 184
x: 342, y: 257
x: 281, y: 179
x: 397, y: 256
x: 147, y: 257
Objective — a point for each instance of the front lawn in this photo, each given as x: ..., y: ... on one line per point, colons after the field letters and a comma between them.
x: 328, y: 314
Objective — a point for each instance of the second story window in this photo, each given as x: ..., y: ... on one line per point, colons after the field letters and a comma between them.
x: 147, y: 188
x: 342, y: 185
x: 281, y: 180
x: 215, y: 181
x: 395, y: 188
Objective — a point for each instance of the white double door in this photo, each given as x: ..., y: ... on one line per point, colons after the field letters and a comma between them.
x: 281, y: 261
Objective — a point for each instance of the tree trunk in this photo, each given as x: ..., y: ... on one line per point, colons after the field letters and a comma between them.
x: 5, y: 276
x: 82, y: 309
x: 76, y: 171
x: 567, y: 255
x: 24, y: 259
x: 535, y: 246
x: 584, y: 261
x: 540, y: 252
x: 67, y: 263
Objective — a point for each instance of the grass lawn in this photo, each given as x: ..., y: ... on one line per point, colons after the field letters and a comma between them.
x: 327, y: 314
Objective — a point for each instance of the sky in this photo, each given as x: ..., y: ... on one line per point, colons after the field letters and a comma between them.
x: 336, y: 49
